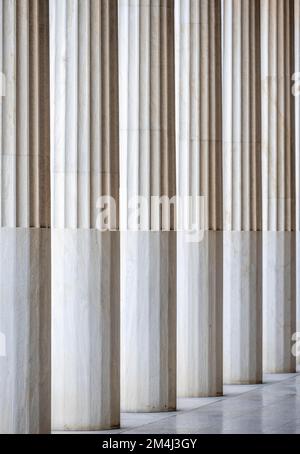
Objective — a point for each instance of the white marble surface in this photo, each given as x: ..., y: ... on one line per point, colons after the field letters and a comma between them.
x: 25, y: 250
x: 242, y: 307
x: 278, y: 185
x: 84, y: 110
x: 242, y: 192
x: 148, y: 321
x: 279, y: 308
x: 298, y: 298
x: 147, y: 170
x: 297, y: 131
x: 199, y: 174
x: 199, y: 316
x: 85, y: 167
x: 269, y: 408
x: 24, y: 113
x: 25, y: 320
x: 85, y: 327
x: 147, y: 108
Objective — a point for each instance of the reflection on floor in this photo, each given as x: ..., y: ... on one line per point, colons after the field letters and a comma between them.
x: 271, y: 408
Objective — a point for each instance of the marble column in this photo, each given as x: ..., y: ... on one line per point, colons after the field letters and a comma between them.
x: 85, y: 186
x: 296, y: 93
x: 148, y: 244
x: 199, y: 155
x: 25, y: 267
x: 278, y: 188
x: 242, y: 192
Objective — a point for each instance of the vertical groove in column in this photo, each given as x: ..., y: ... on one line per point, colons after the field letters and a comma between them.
x: 199, y: 146
x: 85, y: 132
x: 25, y: 295
x: 278, y: 176
x: 242, y: 192
x: 147, y: 150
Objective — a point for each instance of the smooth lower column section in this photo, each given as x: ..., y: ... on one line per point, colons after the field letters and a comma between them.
x: 148, y: 330
x: 25, y: 321
x: 279, y: 186
x: 243, y: 307
x: 86, y: 305
x: 199, y: 316
x: 279, y: 301
x: 296, y: 336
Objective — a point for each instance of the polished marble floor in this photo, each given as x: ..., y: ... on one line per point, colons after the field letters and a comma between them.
x: 271, y: 408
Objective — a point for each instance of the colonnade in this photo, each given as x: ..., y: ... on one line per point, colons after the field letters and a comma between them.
x: 144, y: 103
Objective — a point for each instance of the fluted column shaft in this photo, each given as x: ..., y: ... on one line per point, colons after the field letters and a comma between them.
x: 148, y: 257
x: 199, y: 154
x: 242, y: 192
x: 278, y: 176
x: 25, y: 266
x: 84, y: 94
x: 296, y: 92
